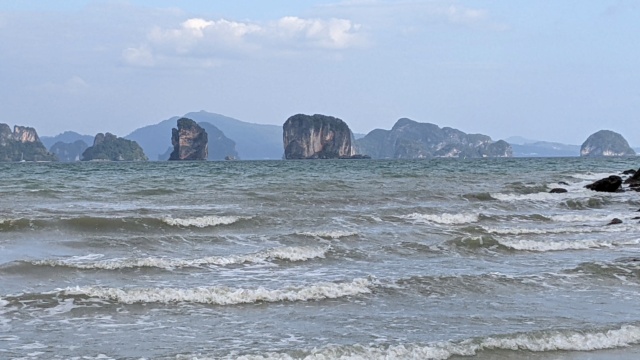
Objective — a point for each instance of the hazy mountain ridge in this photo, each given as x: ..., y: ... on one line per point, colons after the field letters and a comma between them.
x: 65, y: 137
x: 239, y: 139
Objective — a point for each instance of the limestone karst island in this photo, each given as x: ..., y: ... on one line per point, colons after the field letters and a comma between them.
x: 208, y: 136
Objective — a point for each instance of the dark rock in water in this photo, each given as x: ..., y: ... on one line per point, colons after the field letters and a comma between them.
x: 108, y: 147
x: 410, y: 139
x: 634, y: 180
x: 69, y: 152
x: 190, y: 141
x: 563, y: 183
x: 615, y: 221
x: 610, y: 184
x: 317, y: 137
x: 606, y: 143
x: 629, y: 172
x: 558, y: 191
x: 22, y: 144
x: 636, y: 218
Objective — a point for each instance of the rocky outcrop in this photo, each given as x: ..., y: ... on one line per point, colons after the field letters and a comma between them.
x: 108, y: 147
x: 317, y: 137
x: 69, y: 152
x: 190, y: 141
x: 609, y: 184
x: 409, y: 139
x: 22, y: 144
x: 606, y: 143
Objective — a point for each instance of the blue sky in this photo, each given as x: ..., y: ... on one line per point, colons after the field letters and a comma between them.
x: 546, y: 70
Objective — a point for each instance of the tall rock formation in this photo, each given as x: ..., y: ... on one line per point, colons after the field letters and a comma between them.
x: 409, y: 139
x: 108, y: 147
x: 190, y: 141
x: 21, y: 144
x: 606, y: 143
x: 317, y: 137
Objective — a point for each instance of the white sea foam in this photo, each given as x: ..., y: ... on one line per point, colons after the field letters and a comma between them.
x: 223, y: 295
x: 543, y: 246
x: 535, y: 342
x: 203, y: 221
x: 444, y: 218
x: 337, y: 234
x: 557, y: 230
x: 585, y: 218
x: 292, y: 253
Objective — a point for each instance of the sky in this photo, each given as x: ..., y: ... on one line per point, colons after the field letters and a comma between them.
x: 544, y: 70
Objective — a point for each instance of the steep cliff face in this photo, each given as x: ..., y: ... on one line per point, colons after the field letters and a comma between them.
x: 606, y: 143
x: 409, y: 139
x: 108, y: 147
x: 190, y: 141
x: 25, y: 134
x: 316, y: 137
x: 69, y: 152
x: 22, y: 144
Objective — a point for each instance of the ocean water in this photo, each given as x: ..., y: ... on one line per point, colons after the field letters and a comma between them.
x: 362, y: 259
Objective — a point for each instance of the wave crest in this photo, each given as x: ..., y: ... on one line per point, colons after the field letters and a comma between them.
x: 444, y: 218
x: 544, y: 341
x: 203, y: 221
x: 225, y: 295
x: 297, y: 253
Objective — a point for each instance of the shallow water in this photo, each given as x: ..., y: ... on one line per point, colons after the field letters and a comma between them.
x: 318, y: 259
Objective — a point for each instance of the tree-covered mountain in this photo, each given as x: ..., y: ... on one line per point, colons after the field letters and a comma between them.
x: 22, y: 144
x: 606, y: 143
x: 410, y: 139
x: 108, y: 147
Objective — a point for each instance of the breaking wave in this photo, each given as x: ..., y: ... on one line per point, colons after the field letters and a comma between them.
x: 225, y: 295
x: 299, y: 253
x: 203, y: 221
x: 329, y: 234
x: 542, y: 341
x: 557, y: 230
x: 489, y: 242
x: 444, y: 218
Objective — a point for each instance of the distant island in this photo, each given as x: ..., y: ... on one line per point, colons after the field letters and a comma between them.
x: 300, y: 137
x: 22, y: 144
x: 108, y: 147
x: 190, y: 141
x: 409, y: 139
x: 606, y: 143
x: 317, y: 137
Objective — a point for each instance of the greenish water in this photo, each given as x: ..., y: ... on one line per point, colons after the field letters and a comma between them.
x: 318, y: 259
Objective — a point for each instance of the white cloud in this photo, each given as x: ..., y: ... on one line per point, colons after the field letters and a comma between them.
x: 216, y: 39
x: 74, y: 85
x: 327, y: 34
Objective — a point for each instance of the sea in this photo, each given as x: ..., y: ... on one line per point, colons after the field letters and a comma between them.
x: 323, y: 259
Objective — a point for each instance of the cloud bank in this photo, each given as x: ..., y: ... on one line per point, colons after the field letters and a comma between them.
x: 219, y: 39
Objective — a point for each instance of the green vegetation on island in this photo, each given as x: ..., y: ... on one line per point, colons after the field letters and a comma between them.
x: 108, y: 147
